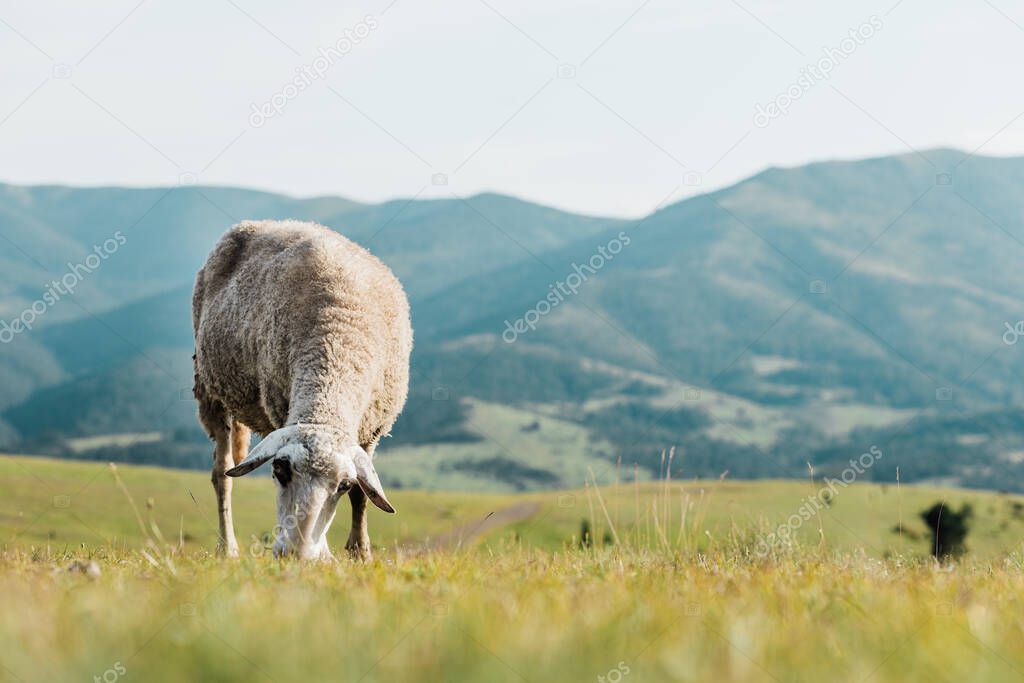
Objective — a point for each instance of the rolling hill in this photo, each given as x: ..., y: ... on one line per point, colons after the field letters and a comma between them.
x: 58, y: 504
x: 802, y: 315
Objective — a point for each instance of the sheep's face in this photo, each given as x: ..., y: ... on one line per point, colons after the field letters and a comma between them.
x: 312, y: 469
x: 309, y: 483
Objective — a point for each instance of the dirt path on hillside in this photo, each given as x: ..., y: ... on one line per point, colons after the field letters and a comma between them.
x: 465, y: 534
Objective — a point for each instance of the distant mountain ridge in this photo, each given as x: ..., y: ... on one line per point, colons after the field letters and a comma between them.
x: 785, y: 319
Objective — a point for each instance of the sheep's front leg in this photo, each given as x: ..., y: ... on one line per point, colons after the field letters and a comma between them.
x: 222, y: 462
x: 358, y: 545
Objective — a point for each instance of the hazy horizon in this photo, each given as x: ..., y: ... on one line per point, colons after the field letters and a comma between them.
x: 611, y: 109
x: 498, y: 192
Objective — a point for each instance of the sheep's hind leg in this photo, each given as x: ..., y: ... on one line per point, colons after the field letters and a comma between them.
x: 216, y: 423
x: 358, y: 545
x: 222, y: 462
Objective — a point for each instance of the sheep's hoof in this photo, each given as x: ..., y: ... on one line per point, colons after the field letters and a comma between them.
x: 229, y: 550
x: 359, y: 553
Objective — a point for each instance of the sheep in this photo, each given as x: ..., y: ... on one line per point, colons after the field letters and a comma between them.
x: 303, y: 337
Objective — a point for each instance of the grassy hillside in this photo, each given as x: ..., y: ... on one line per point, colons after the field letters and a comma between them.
x: 58, y: 505
x: 798, y: 316
x: 67, y: 504
x: 86, y: 596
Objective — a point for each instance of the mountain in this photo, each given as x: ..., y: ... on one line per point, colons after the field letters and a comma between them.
x: 167, y: 233
x: 802, y: 315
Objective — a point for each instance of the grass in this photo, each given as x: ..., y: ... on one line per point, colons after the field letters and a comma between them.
x: 64, y: 504
x: 514, y: 615
x: 682, y: 596
x: 60, y: 505
x: 559, y: 448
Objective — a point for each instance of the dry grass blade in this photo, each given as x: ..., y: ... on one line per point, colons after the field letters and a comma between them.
x: 604, y: 509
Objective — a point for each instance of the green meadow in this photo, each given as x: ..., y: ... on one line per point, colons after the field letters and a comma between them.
x: 109, y: 575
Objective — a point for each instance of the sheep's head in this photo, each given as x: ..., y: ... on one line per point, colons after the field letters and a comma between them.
x: 313, y: 467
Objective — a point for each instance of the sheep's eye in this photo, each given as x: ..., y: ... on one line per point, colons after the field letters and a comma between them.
x: 282, y: 471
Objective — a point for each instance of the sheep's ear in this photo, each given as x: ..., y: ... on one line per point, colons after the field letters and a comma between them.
x: 366, y: 475
x: 249, y: 464
x: 264, y: 451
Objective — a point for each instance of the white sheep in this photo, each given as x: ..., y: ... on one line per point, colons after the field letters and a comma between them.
x: 303, y: 337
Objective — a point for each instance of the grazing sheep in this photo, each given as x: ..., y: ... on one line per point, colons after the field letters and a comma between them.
x: 303, y: 337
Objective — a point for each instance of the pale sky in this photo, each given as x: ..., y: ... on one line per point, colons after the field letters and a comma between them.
x: 654, y: 100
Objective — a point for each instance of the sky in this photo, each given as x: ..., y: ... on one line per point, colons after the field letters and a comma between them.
x: 609, y: 108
